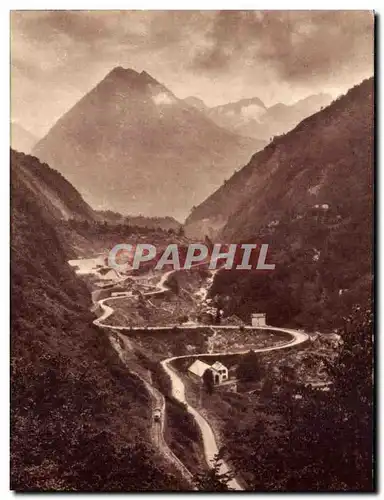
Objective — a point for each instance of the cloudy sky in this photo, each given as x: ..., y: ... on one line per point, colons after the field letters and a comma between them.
x: 278, y: 56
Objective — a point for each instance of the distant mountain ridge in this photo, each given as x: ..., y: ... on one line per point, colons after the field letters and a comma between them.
x: 252, y: 118
x: 132, y: 145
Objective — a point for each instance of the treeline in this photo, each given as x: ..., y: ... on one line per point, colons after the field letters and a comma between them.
x: 105, y: 228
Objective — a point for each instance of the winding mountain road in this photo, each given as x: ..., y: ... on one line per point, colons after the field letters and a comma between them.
x: 119, y: 343
x: 178, y: 388
x: 178, y: 392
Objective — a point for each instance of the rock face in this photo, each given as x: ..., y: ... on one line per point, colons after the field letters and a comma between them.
x: 132, y: 146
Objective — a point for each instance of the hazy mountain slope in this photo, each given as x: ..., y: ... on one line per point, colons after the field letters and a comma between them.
x: 281, y: 118
x: 21, y: 139
x: 131, y: 146
x: 52, y: 191
x: 196, y: 103
x: 310, y: 195
x: 79, y: 420
x: 210, y: 217
x: 251, y: 118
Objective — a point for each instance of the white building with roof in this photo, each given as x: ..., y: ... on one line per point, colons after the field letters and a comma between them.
x: 220, y: 372
x: 198, y: 368
x: 258, y: 319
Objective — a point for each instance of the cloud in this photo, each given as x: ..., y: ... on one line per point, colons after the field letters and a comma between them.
x: 295, y: 45
x: 252, y: 111
x: 163, y: 98
x: 57, y: 56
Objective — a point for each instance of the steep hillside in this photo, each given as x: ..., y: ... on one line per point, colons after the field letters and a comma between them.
x: 53, y: 193
x: 21, y: 139
x: 132, y: 146
x: 309, y: 154
x: 327, y: 159
x: 79, y: 420
x: 310, y: 195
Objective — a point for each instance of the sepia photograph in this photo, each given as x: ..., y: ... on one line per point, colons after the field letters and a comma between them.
x: 192, y: 251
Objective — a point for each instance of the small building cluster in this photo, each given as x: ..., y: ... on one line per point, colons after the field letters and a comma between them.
x: 219, y: 371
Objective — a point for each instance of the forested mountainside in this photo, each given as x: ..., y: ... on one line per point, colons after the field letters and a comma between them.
x: 299, y: 195
x: 80, y: 420
x: 131, y: 145
x: 57, y: 196
x: 52, y: 192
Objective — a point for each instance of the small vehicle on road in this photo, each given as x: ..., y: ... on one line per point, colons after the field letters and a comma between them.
x: 157, y: 415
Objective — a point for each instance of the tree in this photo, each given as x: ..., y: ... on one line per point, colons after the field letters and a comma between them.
x: 288, y: 374
x: 214, y: 479
x: 353, y: 370
x: 218, y: 316
x: 267, y: 388
x: 183, y: 318
x: 249, y: 368
x: 208, y: 380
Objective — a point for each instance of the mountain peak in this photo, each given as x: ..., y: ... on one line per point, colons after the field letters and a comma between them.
x: 129, y: 77
x: 147, y: 78
x: 135, y: 132
x: 248, y: 101
x: 121, y: 72
x: 124, y: 78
